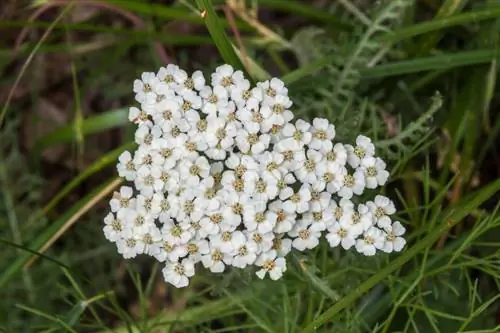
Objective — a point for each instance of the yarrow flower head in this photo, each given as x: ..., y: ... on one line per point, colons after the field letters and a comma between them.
x: 223, y: 177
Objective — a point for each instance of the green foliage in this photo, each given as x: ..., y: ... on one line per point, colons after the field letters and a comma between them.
x: 419, y: 80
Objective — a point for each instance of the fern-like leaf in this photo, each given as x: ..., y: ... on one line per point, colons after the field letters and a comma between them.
x: 415, y: 131
x: 365, y: 50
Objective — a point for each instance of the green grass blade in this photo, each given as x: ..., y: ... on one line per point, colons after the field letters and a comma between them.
x: 307, y: 10
x: 90, y: 125
x: 95, y: 167
x: 47, y: 316
x: 438, y: 62
x: 169, y: 12
x: 53, y: 230
x: 219, y: 36
x: 308, y: 69
x: 170, y: 38
x: 450, y: 216
x: 438, y: 24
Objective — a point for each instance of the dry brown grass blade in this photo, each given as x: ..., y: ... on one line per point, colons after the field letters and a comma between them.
x: 72, y: 220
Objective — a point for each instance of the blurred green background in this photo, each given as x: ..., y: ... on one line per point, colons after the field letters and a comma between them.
x: 418, y: 76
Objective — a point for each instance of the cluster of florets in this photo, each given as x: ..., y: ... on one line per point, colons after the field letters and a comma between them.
x: 223, y: 177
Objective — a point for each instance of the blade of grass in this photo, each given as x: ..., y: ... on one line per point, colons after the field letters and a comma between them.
x: 170, y: 13
x: 219, y: 36
x: 95, y: 167
x: 90, y: 125
x: 438, y: 24
x: 67, y: 223
x: 438, y: 62
x: 307, y: 10
x: 46, y: 316
x: 28, y: 62
x: 448, y: 8
x: 47, y: 236
x: 452, y: 216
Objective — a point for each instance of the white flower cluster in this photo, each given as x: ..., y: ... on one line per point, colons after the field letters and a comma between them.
x: 223, y: 177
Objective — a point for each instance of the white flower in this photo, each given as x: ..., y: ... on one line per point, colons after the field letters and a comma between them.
x: 364, y: 148
x: 168, y: 74
x: 263, y: 240
x: 167, y: 113
x: 241, y: 164
x: 126, y: 166
x: 358, y: 221
x: 251, y: 119
x: 215, y: 99
x: 128, y: 247
x: 196, y: 249
x: 138, y: 116
x: 227, y: 77
x: 191, y: 172
x: 138, y: 223
x: 298, y: 202
x: 114, y: 225
x: 322, y: 135
x: 149, y: 180
x: 273, y: 88
x: 206, y: 195
x: 308, y: 169
x: 292, y: 159
x: 321, y: 219
x: 374, y: 170
x: 284, y: 221
x: 245, y: 254
x: 381, y: 209
x: 221, y: 176
x: 352, y: 184
x: 227, y: 241
x: 148, y: 204
x: 319, y: 201
x: 216, y: 260
x: 330, y: 177
x: 220, y: 138
x: 145, y: 86
x: 170, y: 252
x: 257, y: 218
x: 373, y: 239
x: 393, y: 241
x: 282, y: 246
x: 307, y: 235
x: 186, y: 85
x: 252, y: 142
x: 296, y: 136
x: 178, y: 273
x: 150, y: 240
x: 123, y: 199
x: 271, y: 264
x: 175, y: 233
x: 275, y: 112
x: 148, y: 136
x: 337, y: 155
x: 263, y: 189
x: 340, y: 235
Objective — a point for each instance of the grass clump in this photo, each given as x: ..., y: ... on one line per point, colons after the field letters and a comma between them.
x: 417, y: 76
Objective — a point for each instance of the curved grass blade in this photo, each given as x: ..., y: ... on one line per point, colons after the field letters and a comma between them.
x: 45, y: 315
x: 452, y: 216
x: 95, y: 167
x: 219, y: 36
x: 170, y: 13
x: 438, y: 24
x: 52, y: 232
x: 305, y: 10
x: 438, y: 62
x: 90, y: 125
